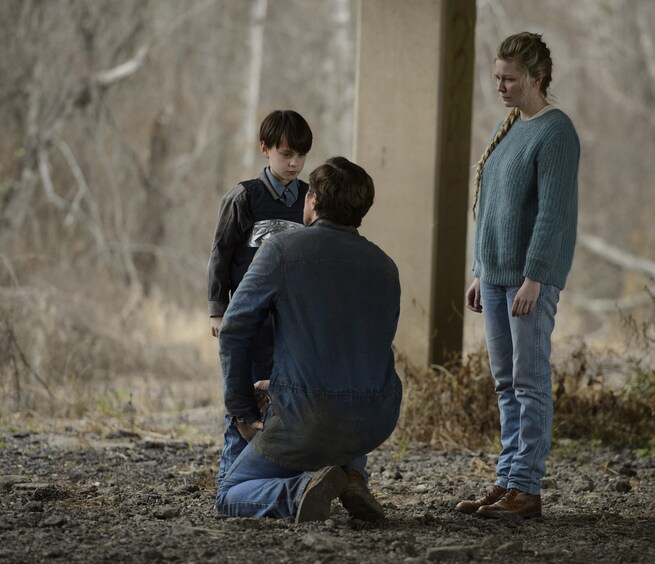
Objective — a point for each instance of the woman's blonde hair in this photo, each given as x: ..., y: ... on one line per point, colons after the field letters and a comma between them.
x: 532, y: 58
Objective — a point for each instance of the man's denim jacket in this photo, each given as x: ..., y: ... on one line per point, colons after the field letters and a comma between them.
x: 335, y: 301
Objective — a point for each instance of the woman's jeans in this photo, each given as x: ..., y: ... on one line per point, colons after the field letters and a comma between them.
x: 519, y: 357
x: 251, y: 486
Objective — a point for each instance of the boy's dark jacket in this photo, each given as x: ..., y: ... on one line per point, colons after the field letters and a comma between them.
x: 241, y: 208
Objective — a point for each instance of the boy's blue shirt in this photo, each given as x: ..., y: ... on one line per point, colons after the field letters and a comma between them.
x: 291, y: 189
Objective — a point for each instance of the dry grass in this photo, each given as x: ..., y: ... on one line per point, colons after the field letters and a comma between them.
x: 457, y: 407
x: 448, y: 408
x: 65, y: 359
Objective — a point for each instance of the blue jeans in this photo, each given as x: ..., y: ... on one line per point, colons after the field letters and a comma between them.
x: 519, y: 357
x: 251, y: 486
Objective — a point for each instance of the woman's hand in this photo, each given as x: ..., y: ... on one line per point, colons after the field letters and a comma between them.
x: 473, y: 301
x: 526, y: 297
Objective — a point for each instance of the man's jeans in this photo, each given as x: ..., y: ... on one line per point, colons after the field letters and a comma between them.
x: 251, y: 486
x: 519, y: 357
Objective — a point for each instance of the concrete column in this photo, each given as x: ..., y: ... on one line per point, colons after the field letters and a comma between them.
x: 413, y: 117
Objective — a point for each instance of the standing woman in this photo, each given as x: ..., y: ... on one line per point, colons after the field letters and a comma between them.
x: 526, y: 192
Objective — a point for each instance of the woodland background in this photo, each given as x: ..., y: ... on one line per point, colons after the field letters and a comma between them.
x: 125, y: 121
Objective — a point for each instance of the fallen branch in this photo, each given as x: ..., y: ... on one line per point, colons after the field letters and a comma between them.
x: 615, y: 255
x: 622, y: 259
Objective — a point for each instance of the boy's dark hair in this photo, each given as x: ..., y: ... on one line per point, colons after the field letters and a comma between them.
x: 289, y: 126
x: 344, y: 191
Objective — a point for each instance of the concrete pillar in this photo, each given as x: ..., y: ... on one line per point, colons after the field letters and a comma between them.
x: 413, y: 118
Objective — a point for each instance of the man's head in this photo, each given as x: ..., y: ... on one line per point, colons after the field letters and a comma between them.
x: 339, y: 191
x: 285, y: 139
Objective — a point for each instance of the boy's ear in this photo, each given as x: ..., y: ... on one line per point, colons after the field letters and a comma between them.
x: 263, y: 148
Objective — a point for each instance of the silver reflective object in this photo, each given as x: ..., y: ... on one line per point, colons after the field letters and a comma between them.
x: 262, y: 230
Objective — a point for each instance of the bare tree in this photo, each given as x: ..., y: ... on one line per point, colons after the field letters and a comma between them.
x: 253, y: 83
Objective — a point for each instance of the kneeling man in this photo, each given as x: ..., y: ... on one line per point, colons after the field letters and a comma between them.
x: 334, y: 392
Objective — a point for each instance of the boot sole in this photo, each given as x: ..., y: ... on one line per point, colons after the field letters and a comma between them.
x: 316, y: 501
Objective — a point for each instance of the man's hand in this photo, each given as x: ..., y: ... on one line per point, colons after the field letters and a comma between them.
x: 526, y: 297
x: 261, y: 395
x: 215, y: 324
x: 249, y: 430
x: 473, y: 301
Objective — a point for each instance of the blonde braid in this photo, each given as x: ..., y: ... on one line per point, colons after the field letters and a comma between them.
x: 509, y: 120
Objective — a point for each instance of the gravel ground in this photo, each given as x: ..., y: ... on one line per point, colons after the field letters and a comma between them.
x: 126, y: 497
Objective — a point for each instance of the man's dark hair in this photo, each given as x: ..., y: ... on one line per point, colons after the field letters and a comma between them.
x: 289, y: 126
x: 344, y: 191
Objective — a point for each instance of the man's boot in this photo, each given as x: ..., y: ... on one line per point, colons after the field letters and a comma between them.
x: 358, y: 500
x: 325, y: 485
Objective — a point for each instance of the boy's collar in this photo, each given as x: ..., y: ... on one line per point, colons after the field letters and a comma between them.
x: 276, y: 184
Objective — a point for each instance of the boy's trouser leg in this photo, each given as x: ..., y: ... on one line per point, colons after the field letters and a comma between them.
x: 233, y: 445
x: 255, y: 487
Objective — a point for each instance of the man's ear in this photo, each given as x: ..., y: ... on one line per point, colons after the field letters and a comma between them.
x: 263, y: 149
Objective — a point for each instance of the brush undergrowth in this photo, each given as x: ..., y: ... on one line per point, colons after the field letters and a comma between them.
x: 605, y: 397
x: 65, y: 359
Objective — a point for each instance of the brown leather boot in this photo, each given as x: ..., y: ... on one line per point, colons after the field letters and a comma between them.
x: 514, y: 503
x: 358, y: 500
x: 325, y: 485
x: 471, y: 506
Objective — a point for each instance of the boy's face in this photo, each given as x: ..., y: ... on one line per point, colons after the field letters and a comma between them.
x: 286, y: 164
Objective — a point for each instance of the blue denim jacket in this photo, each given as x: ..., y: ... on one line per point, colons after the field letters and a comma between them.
x: 335, y: 301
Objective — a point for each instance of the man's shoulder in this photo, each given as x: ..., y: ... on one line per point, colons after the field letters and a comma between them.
x: 383, y: 257
x: 328, y: 239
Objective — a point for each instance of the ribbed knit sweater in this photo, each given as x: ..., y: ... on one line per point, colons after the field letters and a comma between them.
x: 528, y: 204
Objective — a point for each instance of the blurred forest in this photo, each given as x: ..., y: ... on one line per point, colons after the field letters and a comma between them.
x: 124, y: 122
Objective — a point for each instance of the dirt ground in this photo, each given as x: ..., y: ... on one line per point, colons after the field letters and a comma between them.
x: 123, y: 496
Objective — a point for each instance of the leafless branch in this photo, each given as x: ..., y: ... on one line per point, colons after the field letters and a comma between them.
x: 46, y: 179
x: 622, y: 259
x: 616, y: 256
x: 9, y: 333
x: 605, y: 305
x: 109, y: 77
x: 95, y: 223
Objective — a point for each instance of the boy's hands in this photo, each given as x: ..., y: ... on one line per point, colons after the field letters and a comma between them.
x: 249, y: 430
x: 215, y: 325
x: 473, y: 301
x: 261, y: 395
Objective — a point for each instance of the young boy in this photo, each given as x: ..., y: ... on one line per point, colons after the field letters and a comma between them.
x: 248, y: 214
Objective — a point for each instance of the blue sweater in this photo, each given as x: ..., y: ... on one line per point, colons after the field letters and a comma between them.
x: 528, y: 206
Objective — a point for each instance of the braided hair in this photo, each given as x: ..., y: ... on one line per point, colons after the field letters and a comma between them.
x: 532, y: 57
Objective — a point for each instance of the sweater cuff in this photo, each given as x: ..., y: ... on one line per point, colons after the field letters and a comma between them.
x: 536, y: 270
x: 217, y: 309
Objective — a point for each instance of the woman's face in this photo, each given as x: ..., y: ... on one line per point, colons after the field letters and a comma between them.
x: 515, y: 88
